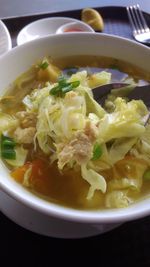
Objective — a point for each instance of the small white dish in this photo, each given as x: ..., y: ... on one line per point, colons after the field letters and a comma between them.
x: 5, y: 39
x: 41, y: 28
x: 74, y: 27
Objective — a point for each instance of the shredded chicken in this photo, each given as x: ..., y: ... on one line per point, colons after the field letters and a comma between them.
x: 24, y: 136
x: 91, y: 131
x: 70, y: 95
x: 78, y: 149
x: 27, y: 119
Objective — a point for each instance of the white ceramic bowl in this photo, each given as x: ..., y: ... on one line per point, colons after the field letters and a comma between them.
x: 19, y: 60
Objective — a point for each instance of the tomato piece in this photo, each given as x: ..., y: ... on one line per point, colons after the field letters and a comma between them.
x: 18, y: 173
x: 38, y: 170
x: 38, y: 167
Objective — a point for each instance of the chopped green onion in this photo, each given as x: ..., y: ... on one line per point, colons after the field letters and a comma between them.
x: 8, y: 143
x: 7, y: 147
x: 61, y: 80
x: 63, y: 86
x: 67, y: 88
x: 75, y: 84
x: 97, y: 151
x: 8, y: 154
x: 43, y: 65
x: 146, y: 175
x: 55, y: 90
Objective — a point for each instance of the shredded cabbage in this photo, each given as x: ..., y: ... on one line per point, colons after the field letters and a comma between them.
x: 96, y: 181
x: 125, y: 121
x: 7, y: 122
x: 117, y: 199
x: 21, y: 155
x: 99, y: 78
x: 141, y: 149
x: 120, y: 148
x: 27, y: 177
x: 69, y: 125
x: 92, y: 106
x: 125, y: 183
x: 80, y: 76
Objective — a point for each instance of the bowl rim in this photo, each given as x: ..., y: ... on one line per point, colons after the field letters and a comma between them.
x: 54, y: 210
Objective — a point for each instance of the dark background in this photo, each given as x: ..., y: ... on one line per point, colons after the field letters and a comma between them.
x: 127, y: 245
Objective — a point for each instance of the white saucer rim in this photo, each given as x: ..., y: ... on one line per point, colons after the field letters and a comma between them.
x: 84, y: 26
x: 43, y: 19
x: 7, y: 36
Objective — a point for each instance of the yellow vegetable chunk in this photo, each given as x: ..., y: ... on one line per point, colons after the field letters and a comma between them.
x: 99, y: 78
x: 93, y: 18
x: 50, y: 73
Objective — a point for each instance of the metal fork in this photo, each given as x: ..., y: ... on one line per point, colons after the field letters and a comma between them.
x: 141, y: 31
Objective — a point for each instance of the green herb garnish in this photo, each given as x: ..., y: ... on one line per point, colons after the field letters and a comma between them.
x: 63, y: 86
x: 146, y: 175
x: 75, y: 84
x: 8, y: 154
x: 7, y: 148
x: 62, y: 81
x: 43, y: 65
x: 66, y: 88
x: 97, y: 151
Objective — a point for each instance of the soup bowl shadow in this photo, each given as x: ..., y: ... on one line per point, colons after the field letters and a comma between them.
x: 14, y: 197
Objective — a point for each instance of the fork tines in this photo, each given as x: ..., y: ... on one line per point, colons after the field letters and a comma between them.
x: 137, y: 19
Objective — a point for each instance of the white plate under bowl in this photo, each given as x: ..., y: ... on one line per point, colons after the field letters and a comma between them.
x: 5, y: 39
x: 41, y: 28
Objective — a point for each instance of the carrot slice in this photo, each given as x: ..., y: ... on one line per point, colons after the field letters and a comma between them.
x: 18, y: 173
x: 38, y: 170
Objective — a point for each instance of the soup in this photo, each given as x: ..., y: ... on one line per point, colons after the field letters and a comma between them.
x: 60, y: 144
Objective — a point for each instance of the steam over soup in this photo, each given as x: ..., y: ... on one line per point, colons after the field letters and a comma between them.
x: 60, y: 144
